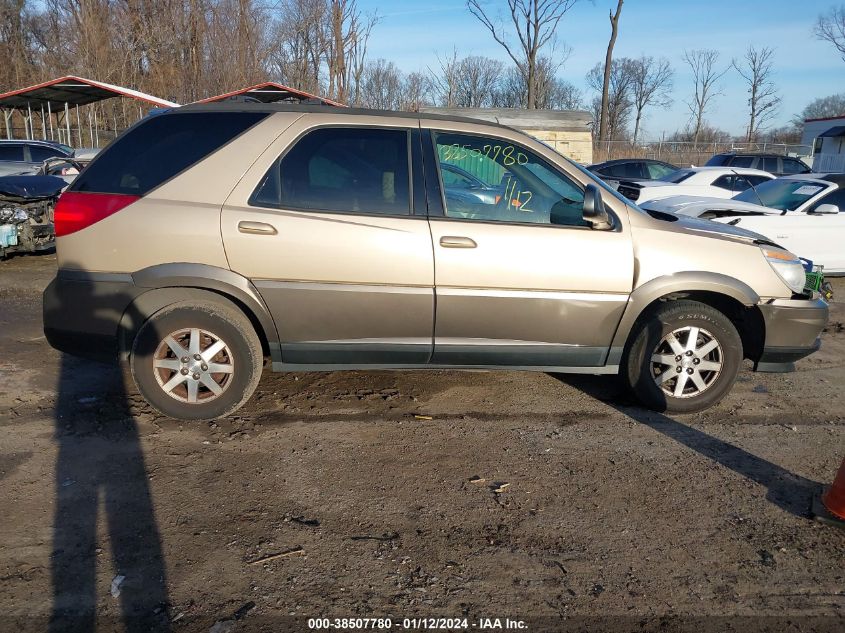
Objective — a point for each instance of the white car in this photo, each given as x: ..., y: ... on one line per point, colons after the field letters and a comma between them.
x: 804, y: 213
x: 712, y: 182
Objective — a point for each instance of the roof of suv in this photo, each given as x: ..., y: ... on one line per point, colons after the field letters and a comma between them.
x: 757, y: 154
x: 322, y: 109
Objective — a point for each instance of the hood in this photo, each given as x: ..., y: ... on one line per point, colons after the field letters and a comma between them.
x: 20, y: 188
x: 708, y: 228
x: 694, y: 206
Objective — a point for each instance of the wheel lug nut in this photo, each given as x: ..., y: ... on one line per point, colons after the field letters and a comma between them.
x: 678, y: 358
x: 695, y: 361
x: 678, y: 369
x: 198, y: 357
x: 204, y: 367
x: 184, y: 371
x: 197, y: 376
x: 690, y: 370
x: 689, y: 352
x: 185, y: 359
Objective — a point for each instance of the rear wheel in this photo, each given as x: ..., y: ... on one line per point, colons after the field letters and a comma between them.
x: 197, y: 361
x: 684, y: 357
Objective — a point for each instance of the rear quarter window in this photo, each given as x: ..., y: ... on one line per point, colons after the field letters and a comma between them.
x: 159, y: 148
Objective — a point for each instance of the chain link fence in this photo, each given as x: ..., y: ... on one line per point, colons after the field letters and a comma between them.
x: 684, y: 154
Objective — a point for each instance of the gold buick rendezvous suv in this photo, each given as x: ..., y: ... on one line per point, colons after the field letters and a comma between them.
x: 208, y: 238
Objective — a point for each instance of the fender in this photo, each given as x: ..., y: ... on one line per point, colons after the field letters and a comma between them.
x: 169, y: 283
x: 688, y: 281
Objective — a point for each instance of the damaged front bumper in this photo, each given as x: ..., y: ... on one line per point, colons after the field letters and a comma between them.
x: 26, y: 213
x: 793, y: 330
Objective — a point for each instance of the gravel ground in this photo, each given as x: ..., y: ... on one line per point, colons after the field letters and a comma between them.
x: 535, y: 497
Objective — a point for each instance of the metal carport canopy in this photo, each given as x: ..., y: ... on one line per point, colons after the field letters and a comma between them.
x: 74, y: 91
x: 271, y: 92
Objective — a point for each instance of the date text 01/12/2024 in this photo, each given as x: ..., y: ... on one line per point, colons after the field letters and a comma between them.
x: 383, y: 624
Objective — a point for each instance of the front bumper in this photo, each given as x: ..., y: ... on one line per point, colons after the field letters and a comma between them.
x: 793, y: 328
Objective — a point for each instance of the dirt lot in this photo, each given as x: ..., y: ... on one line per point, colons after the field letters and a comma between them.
x: 482, y: 495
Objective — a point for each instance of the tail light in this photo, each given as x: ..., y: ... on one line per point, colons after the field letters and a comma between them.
x: 76, y: 210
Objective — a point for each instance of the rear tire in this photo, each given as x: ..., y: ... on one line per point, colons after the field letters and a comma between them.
x: 683, y: 357
x: 197, y: 361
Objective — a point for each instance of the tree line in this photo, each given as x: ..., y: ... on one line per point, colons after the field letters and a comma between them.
x: 184, y: 50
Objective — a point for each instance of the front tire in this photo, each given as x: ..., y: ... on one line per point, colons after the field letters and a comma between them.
x: 684, y: 357
x: 197, y: 361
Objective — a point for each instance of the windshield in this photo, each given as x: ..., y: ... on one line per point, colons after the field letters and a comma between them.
x: 785, y: 195
x: 677, y: 176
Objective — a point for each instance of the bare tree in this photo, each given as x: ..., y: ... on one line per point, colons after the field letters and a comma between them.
x: 619, y: 96
x: 608, y: 65
x: 534, y: 23
x: 706, y: 76
x: 444, y: 79
x: 830, y: 27
x: 651, y: 83
x: 347, y: 34
x: 382, y: 85
x: 476, y: 80
x: 416, y: 92
x: 823, y: 107
x: 554, y: 93
x: 510, y: 90
x: 763, y: 98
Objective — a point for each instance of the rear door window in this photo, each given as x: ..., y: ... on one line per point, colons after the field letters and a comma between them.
x: 347, y: 170
x: 11, y: 152
x: 770, y: 164
x: 743, y: 161
x: 657, y: 170
x: 792, y: 166
x: 159, y: 148
x: 40, y: 154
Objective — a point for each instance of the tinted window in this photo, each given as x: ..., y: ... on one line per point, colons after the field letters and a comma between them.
x: 756, y: 180
x: 743, y: 161
x: 724, y: 182
x: 717, y: 161
x: 40, y: 154
x: 159, y: 148
x: 354, y: 170
x: 625, y: 170
x: 524, y: 187
x: 11, y: 152
x: 770, y: 165
x: 792, y: 166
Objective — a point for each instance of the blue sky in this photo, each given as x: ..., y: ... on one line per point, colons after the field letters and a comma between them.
x: 412, y: 33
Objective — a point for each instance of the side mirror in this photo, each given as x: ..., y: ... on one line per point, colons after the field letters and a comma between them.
x: 826, y: 208
x: 593, y: 209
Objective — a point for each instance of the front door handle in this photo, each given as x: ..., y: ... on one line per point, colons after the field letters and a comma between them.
x: 454, y: 241
x: 256, y: 228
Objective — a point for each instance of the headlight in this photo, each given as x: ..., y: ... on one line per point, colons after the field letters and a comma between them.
x: 788, y: 267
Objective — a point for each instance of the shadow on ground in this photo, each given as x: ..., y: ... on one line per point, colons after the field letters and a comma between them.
x: 790, y: 492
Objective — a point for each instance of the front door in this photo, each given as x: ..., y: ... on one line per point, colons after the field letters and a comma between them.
x: 329, y: 239
x: 521, y: 279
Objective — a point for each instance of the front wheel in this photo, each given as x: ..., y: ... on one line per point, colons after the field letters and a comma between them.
x: 197, y: 361
x: 684, y: 357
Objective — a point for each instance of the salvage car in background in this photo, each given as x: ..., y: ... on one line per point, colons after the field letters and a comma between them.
x: 26, y: 213
x: 26, y: 156
x: 804, y: 213
x: 714, y: 182
x: 632, y: 169
x: 773, y: 163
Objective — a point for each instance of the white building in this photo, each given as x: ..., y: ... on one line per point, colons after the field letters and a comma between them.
x: 827, y: 136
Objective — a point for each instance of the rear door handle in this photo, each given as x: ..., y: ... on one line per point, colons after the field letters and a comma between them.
x: 455, y: 241
x: 256, y: 228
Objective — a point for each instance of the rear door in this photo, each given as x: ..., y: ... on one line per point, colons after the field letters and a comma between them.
x: 327, y: 227
x: 521, y: 280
